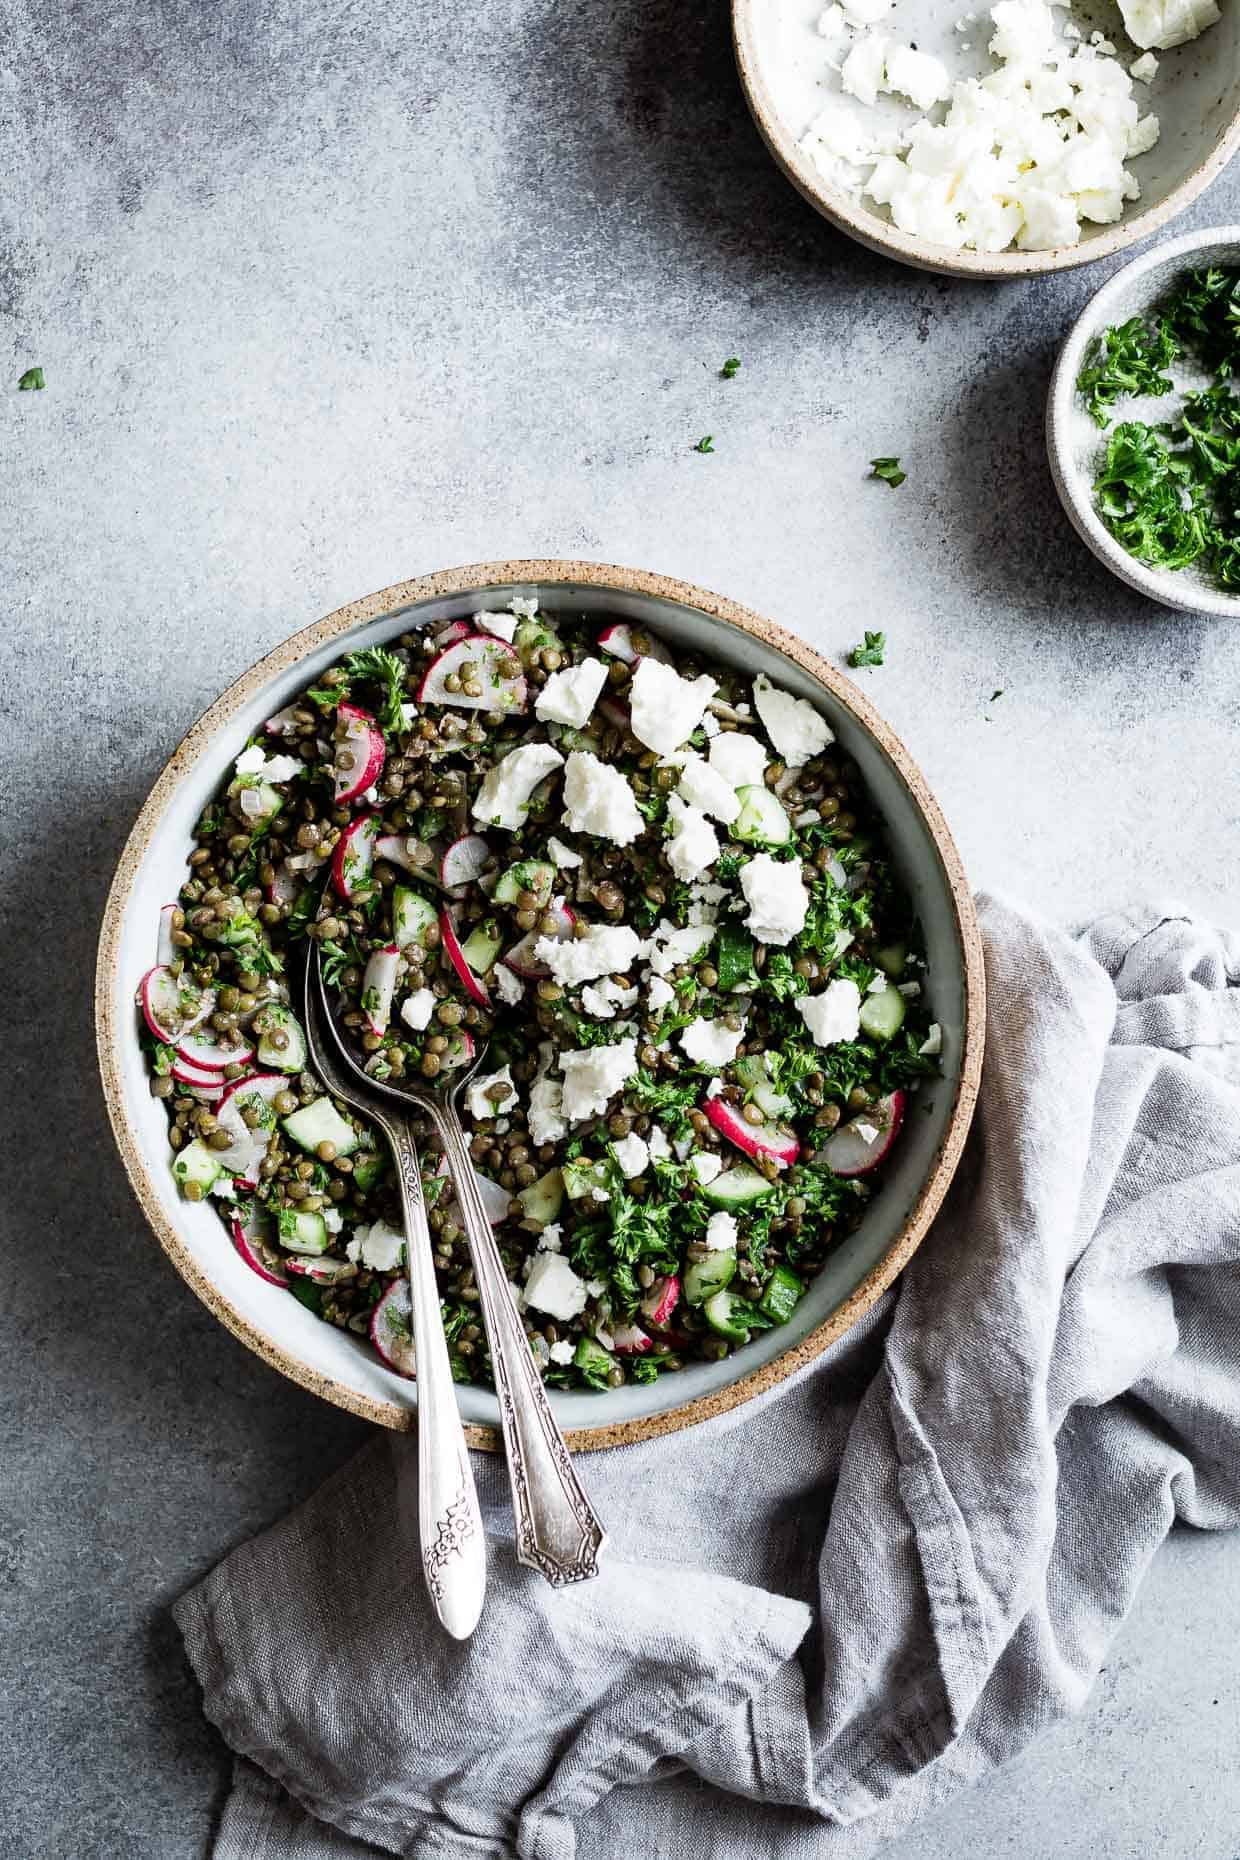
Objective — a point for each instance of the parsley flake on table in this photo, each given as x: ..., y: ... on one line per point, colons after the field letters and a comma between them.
x: 731, y: 367
x: 888, y: 470
x: 705, y: 444
x: 33, y: 378
x: 872, y: 651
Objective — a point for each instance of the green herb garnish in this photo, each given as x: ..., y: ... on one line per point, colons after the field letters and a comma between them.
x: 705, y: 445
x: 888, y: 470
x: 872, y: 651
x: 33, y: 378
x: 731, y: 367
x: 1128, y: 359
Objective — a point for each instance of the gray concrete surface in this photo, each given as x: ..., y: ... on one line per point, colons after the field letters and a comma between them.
x: 327, y: 295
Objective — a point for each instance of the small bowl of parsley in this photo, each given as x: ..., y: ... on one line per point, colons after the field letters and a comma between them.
x: 1143, y: 423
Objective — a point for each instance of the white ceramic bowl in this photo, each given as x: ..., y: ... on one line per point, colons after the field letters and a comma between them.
x: 343, y: 1368
x: 1196, y: 97
x: 1076, y: 444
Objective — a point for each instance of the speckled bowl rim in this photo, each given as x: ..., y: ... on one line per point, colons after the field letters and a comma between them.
x: 881, y: 236
x: 114, y: 1028
x: 1075, y: 490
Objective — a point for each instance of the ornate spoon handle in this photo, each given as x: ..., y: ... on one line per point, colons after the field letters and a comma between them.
x: 453, y: 1546
x: 558, y: 1531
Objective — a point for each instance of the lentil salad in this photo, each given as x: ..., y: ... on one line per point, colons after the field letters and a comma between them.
x: 659, y: 897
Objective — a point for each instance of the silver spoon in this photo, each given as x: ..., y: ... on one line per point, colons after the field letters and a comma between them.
x: 558, y: 1530
x: 449, y: 1521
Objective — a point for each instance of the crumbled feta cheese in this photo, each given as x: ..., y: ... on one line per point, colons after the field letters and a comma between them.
x: 598, y: 799
x: 603, y: 949
x: 920, y: 78
x: 866, y: 12
x: 710, y: 1043
x: 596, y: 1288
x: 741, y: 759
x: 714, y: 1088
x: 593, y: 1076
x: 660, y: 1148
x: 672, y: 947
x: 503, y: 626
x: 909, y: 990
x: 867, y: 1132
x: 564, y: 856
x: 562, y: 1351
x: 792, y: 724
x: 665, y: 709
x: 416, y: 1009
x: 544, y: 1115
x: 1144, y: 69
x: 523, y: 609
x: 878, y: 984
x: 602, y: 999
x: 861, y: 74
x: 693, y: 845
x: 706, y: 1166
x: 503, y: 796
x: 378, y: 1246
x: 256, y: 763
x: 932, y: 1045
x: 1164, y: 23
x: 633, y: 1155
x: 551, y: 1238
x: 721, y: 1231
x: 710, y: 724
x: 704, y: 787
x: 776, y: 897
x: 831, y: 22
x: 508, y: 986
x: 492, y: 1094
x: 555, y: 1288
x: 834, y: 1015
x: 659, y: 994
x: 569, y: 696
x: 333, y: 1219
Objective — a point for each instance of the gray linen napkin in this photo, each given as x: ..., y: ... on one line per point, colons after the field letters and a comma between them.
x: 821, y: 1615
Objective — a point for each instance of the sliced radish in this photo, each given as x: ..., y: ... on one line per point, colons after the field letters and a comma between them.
x: 450, y: 634
x: 521, y: 958
x: 171, y: 1006
x: 283, y: 887
x: 248, y: 1146
x: 660, y: 1301
x: 465, y: 860
x: 165, y: 949
x: 494, y: 667
x: 401, y: 849
x: 630, y: 1340
x: 619, y: 640
x: 391, y: 1328
x: 205, y: 1094
x: 471, y: 983
x: 284, y: 723
x: 263, y: 1085
x: 251, y: 1241
x: 754, y: 1139
x: 378, y: 987
x: 850, y: 1150
x: 210, y: 1056
x: 322, y: 1271
x: 354, y: 856
x: 360, y: 753
x: 495, y: 1200
x: 197, y: 1078
x: 461, y: 1050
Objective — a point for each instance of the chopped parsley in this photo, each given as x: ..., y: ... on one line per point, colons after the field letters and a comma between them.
x: 33, y: 378
x: 888, y: 470
x: 705, y: 444
x: 375, y: 665
x: 1127, y: 359
x: 871, y: 653
x: 731, y: 367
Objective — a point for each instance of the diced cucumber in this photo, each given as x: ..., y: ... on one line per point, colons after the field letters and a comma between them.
x: 734, y: 957
x: 752, y: 1072
x: 737, y: 1187
x: 593, y: 1359
x: 582, y: 1177
x: 543, y: 1199
x: 196, y: 1163
x: 482, y: 946
x: 705, y: 1277
x: 783, y: 1294
x: 270, y: 803
x: 534, y: 875
x: 367, y: 1168
x: 761, y: 821
x: 302, y: 1233
x: 883, y: 1014
x: 282, y: 1044
x: 728, y: 1316
x: 321, y: 1122
x: 412, y: 917
x: 892, y: 959
x: 533, y: 637
x: 433, y: 1187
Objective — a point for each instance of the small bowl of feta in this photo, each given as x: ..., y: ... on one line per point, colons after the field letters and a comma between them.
x: 660, y: 878
x: 996, y: 142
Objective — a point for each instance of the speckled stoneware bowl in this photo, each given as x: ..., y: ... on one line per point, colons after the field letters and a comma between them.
x: 1076, y: 444
x: 1195, y: 95
x: 341, y: 1367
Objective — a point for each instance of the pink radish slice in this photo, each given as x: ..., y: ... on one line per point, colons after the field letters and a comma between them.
x: 354, y: 856
x: 630, y: 1340
x: 165, y: 950
x: 322, y: 1271
x: 172, y: 1008
x: 378, y: 987
x: 458, y: 1056
x: 365, y: 750
x: 847, y: 1152
x: 391, y: 1328
x: 756, y: 1140
x: 618, y: 641
x: 521, y: 958
x: 254, y: 1249
x: 616, y: 713
x: 283, y: 887
x: 208, y: 1057
x: 660, y: 1301
x: 284, y: 723
x: 248, y: 1147
x: 262, y: 1085
x: 205, y: 1094
x: 450, y: 634
x: 496, y: 669
x: 465, y: 860
x: 495, y: 1200
x: 471, y: 983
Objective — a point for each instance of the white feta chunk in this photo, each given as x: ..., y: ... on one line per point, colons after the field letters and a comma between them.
x: 704, y: 787
x: 932, y: 1045
x: 672, y: 947
x: 660, y: 1148
x: 633, y: 1155
x: 562, y: 1351
x: 834, y: 1015
x: 602, y: 949
x: 665, y: 709
x: 918, y: 76
x: 776, y: 896
x: 555, y: 1288
x: 741, y: 759
x: 416, y: 1009
x: 594, y: 1075
x: 721, y: 1231
x: 378, y: 1246
x: 693, y: 845
x: 598, y: 799
x: 544, y: 1115
x: 570, y: 696
x: 1160, y: 24
x: 1144, y: 69
x: 503, y: 796
x: 508, y: 986
x: 710, y: 1043
x: 861, y: 74
x: 603, y: 999
x: 706, y: 1166
x: 564, y: 856
x: 659, y: 994
x: 491, y: 1095
x: 792, y: 724
x: 503, y: 626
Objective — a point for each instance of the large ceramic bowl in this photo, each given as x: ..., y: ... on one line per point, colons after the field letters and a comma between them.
x: 1195, y: 95
x: 343, y: 1368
